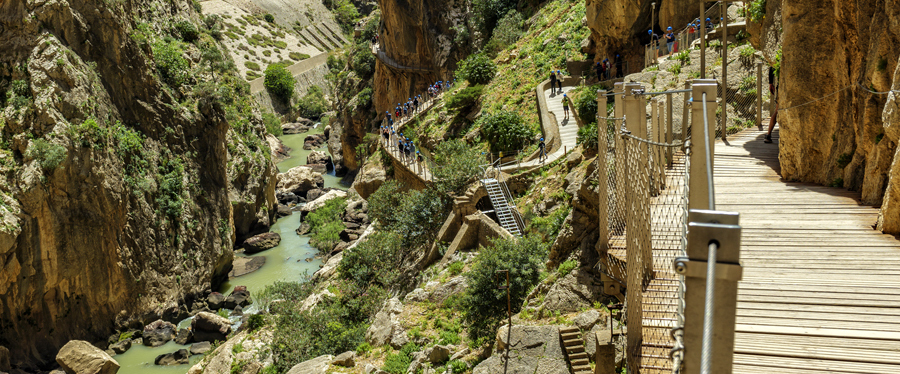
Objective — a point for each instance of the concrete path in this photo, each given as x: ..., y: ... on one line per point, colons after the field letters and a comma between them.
x: 568, y: 131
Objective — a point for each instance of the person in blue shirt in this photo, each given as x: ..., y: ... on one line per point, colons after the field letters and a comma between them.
x: 543, y: 155
x: 654, y: 43
x: 670, y: 40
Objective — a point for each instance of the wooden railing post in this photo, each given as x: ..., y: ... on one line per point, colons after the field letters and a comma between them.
x: 638, y: 175
x: 621, y: 165
x: 699, y: 188
x: 602, y: 171
x: 661, y: 138
x: 669, y: 135
x: 759, y: 95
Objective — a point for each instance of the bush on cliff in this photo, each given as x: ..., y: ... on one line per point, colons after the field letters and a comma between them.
x: 476, y: 69
x: 313, y: 104
x: 326, y: 225
x: 459, y: 165
x: 505, y: 131
x: 484, y: 306
x: 279, y: 82
x: 413, y: 215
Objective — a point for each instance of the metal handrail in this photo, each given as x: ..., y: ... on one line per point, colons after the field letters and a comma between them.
x: 706, y: 354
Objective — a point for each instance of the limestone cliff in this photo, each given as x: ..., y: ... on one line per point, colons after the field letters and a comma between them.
x: 620, y: 27
x: 123, y: 171
x: 833, y: 130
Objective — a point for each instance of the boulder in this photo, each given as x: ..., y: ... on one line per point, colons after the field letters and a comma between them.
x: 80, y: 357
x: 261, y: 242
x: 298, y: 180
x: 240, y: 296
x: 453, y: 286
x: 288, y: 198
x: 215, y: 300
x: 533, y: 349
x: 314, y: 193
x: 314, y: 141
x: 179, y: 357
x: 242, y: 266
x: 184, y: 336
x: 209, y: 327
x: 319, y: 158
x: 283, y: 210
x: 158, y: 333
x: 200, y: 348
x: 417, y: 295
x: 386, y: 328
x: 346, y: 359
x: 437, y: 354
x: 573, y: 292
x: 117, y: 347
x: 588, y: 319
x: 238, y: 311
x: 418, y: 358
x: 318, y: 365
x: 303, y: 229
x: 321, y: 200
x: 369, y: 179
x: 459, y: 355
x: 277, y: 148
x: 295, y: 127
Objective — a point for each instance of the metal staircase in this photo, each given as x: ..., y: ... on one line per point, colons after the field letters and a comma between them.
x: 575, y: 352
x: 500, y: 198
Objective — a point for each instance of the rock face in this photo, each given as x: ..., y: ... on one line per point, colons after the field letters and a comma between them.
x: 531, y: 351
x: 239, y: 297
x: 298, y: 180
x: 118, y: 347
x: 346, y: 359
x: 80, y: 357
x: 370, y: 178
x: 261, y: 242
x: 573, y: 292
x: 158, y: 333
x: 314, y: 141
x: 852, y: 144
x: 76, y: 239
x: 320, y: 158
x: 210, y: 327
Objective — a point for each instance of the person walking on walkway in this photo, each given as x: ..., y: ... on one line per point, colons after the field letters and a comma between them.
x: 552, y: 82
x: 654, y: 44
x: 565, y: 103
x: 670, y: 40
x: 419, y: 161
x: 619, y: 72
x: 608, y: 66
x: 559, y: 80
x: 773, y: 91
x: 600, y: 69
x: 543, y: 155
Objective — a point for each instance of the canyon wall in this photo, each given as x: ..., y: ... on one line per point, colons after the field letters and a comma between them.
x: 834, y: 131
x: 118, y: 194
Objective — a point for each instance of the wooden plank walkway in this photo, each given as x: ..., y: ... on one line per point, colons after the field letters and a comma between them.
x: 821, y: 287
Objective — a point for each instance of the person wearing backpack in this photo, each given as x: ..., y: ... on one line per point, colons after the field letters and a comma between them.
x: 565, y: 103
x: 654, y: 43
x: 552, y: 82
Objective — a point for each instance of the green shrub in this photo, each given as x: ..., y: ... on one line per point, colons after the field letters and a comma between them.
x: 363, y: 349
x: 748, y: 51
x: 413, y: 215
x: 187, y: 31
x: 466, y: 98
x: 586, y: 104
x: 269, y: 18
x: 313, y: 104
x: 675, y: 69
x: 280, y: 44
x: 488, y: 12
x: 757, y: 10
x: 458, y: 366
x: 844, y: 159
x: 170, y: 177
x: 279, y: 82
x: 298, y: 56
x: 587, y: 135
x: 566, y: 267
x: 363, y: 61
x: 505, y: 131
x: 251, y: 65
x: 48, y: 155
x: 197, y: 7
x: 397, y: 363
x: 456, y: 268
x: 684, y: 57
x: 484, y: 306
x: 458, y: 165
x: 549, y: 226
x: 508, y: 31
x: 365, y: 98
x: 171, y: 65
x: 273, y: 124
x: 325, y: 224
x: 476, y: 69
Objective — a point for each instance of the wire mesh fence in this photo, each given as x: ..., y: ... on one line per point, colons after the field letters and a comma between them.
x: 643, y: 227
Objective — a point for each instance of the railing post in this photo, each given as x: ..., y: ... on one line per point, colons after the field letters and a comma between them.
x: 723, y: 6
x: 661, y: 138
x: 620, y: 156
x: 685, y: 125
x: 654, y: 136
x: 602, y: 170
x: 699, y: 188
x: 638, y: 176
x: 759, y: 95
x: 707, y: 228
x: 669, y: 135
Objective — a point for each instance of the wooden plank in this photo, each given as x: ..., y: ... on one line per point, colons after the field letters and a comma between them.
x: 779, y: 363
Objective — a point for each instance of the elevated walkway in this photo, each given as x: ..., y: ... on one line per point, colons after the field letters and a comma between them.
x: 388, y: 61
x: 821, y: 287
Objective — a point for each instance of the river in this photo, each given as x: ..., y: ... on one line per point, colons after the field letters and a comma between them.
x: 292, y: 258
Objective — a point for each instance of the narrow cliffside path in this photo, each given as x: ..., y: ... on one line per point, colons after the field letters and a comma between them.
x: 819, y: 291
x: 568, y: 130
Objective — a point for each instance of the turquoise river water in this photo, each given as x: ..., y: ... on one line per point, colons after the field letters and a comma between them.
x: 290, y: 260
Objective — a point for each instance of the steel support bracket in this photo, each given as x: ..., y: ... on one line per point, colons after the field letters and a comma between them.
x: 697, y: 269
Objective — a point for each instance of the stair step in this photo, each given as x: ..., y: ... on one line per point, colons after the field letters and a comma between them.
x: 578, y: 356
x: 580, y: 363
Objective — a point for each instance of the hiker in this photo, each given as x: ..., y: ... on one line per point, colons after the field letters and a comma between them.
x: 543, y: 155
x: 619, y: 72
x: 654, y: 43
x: 709, y: 25
x: 419, y: 159
x: 559, y: 80
x: 608, y: 66
x: 773, y: 91
x: 601, y: 70
x: 552, y: 82
x: 407, y: 150
x: 670, y: 40
x: 389, y: 118
x: 400, y: 148
x: 565, y: 103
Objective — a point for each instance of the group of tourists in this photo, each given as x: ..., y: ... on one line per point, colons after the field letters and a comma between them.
x: 556, y: 78
x: 605, y: 67
x: 404, y: 146
x: 670, y: 37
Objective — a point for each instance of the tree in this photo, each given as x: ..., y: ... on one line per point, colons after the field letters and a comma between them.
x: 484, y: 306
x: 476, y: 69
x: 505, y: 131
x: 458, y: 164
x: 279, y: 82
x: 313, y: 104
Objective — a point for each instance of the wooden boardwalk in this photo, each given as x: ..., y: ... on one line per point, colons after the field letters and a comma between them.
x: 821, y: 287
